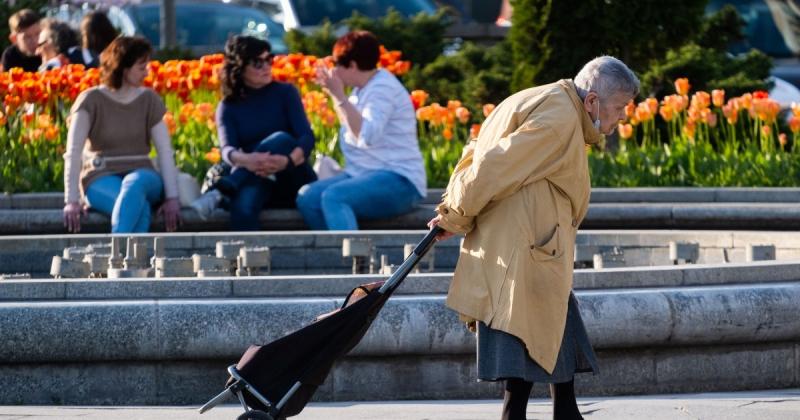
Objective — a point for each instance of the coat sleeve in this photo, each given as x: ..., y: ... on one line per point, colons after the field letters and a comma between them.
x: 497, y: 169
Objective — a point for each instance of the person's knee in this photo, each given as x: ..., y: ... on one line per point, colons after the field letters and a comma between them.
x: 306, y: 198
x: 279, y: 142
x: 140, y: 180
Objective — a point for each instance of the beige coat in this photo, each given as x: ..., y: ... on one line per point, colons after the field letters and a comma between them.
x: 519, y: 193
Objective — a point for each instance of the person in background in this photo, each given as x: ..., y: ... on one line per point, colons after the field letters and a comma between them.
x: 264, y: 135
x: 24, y: 26
x: 519, y: 194
x: 384, y: 174
x: 108, y: 144
x: 96, y: 33
x: 55, y: 39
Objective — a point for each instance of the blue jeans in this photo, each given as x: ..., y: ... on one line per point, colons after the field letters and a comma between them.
x: 250, y: 193
x: 336, y: 202
x: 127, y: 199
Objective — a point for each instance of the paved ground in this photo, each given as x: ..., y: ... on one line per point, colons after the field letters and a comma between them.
x: 761, y: 405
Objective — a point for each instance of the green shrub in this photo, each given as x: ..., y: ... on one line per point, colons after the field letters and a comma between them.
x: 420, y: 38
x: 475, y: 75
x: 553, y: 39
x: 704, y: 61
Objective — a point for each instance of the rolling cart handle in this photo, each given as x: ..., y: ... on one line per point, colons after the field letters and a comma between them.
x: 427, y: 242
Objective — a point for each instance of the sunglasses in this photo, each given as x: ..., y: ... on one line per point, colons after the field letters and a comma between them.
x: 259, y: 62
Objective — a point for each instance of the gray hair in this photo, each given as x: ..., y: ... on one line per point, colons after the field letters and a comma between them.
x: 606, y: 76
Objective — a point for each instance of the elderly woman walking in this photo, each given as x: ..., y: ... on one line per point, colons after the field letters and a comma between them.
x: 519, y: 194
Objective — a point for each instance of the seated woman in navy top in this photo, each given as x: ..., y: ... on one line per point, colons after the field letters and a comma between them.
x: 264, y: 135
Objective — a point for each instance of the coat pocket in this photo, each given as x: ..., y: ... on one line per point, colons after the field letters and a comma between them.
x: 550, y: 249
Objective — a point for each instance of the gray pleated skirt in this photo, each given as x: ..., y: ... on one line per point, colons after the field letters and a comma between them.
x: 502, y: 355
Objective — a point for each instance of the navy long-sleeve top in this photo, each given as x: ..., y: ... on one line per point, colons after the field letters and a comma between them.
x: 243, y: 123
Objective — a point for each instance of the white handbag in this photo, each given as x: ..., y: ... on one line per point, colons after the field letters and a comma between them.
x: 325, y: 166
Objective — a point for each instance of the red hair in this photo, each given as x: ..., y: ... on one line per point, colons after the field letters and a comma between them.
x: 361, y: 47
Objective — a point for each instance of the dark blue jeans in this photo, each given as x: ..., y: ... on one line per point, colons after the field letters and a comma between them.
x: 251, y: 193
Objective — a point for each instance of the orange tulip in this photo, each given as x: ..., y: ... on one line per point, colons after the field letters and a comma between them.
x: 796, y: 109
x: 169, y: 120
x: 447, y: 133
x: 718, y: 97
x: 731, y: 112
x: 745, y: 101
x: 418, y: 98
x: 625, y: 131
x: 701, y: 100
x: 462, y: 114
x: 682, y: 86
x: 629, y: 109
x: 783, y: 140
x: 453, y: 105
x: 766, y: 130
x: 652, y: 103
x: 666, y: 112
x: 643, y: 112
x: 794, y: 124
x: 475, y: 130
x: 487, y: 109
x: 689, y: 129
x: 51, y: 133
x: 213, y: 156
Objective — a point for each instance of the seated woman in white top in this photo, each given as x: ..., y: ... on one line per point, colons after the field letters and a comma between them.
x: 106, y: 162
x: 384, y: 173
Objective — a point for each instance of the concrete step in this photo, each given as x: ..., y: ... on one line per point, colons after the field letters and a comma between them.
x: 173, y: 351
x: 741, y: 216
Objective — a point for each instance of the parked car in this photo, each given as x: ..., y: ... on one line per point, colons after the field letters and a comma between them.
x: 762, y: 32
x: 203, y: 26
x: 307, y: 14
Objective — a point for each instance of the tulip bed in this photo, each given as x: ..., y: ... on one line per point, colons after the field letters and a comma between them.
x: 701, y: 140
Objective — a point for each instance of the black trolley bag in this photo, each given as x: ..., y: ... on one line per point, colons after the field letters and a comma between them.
x: 276, y: 380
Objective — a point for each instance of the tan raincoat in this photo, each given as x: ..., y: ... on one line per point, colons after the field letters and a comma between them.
x: 519, y: 193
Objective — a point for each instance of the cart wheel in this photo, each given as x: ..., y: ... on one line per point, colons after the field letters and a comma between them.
x: 255, y: 415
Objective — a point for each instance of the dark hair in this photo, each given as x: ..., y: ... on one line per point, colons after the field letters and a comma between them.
x: 96, y: 32
x: 22, y: 20
x: 121, y: 54
x: 359, y: 46
x: 61, y: 35
x: 240, y: 50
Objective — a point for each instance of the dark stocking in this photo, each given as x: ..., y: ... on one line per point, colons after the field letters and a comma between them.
x: 565, y: 407
x: 515, y: 402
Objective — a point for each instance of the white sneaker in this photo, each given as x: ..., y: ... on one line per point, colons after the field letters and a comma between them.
x: 206, y: 203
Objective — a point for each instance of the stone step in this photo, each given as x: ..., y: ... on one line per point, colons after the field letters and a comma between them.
x: 315, y: 253
x: 340, y: 285
x: 742, y: 216
x: 173, y: 351
x: 55, y: 200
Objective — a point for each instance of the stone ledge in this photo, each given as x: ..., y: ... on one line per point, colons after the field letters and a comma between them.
x: 162, y: 329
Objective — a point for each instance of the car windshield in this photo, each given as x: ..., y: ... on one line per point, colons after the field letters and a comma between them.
x: 209, y: 24
x: 313, y: 12
x: 761, y: 31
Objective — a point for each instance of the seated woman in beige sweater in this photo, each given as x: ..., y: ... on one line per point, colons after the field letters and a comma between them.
x: 108, y: 143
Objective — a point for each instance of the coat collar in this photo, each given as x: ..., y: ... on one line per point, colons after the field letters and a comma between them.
x: 591, y: 135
